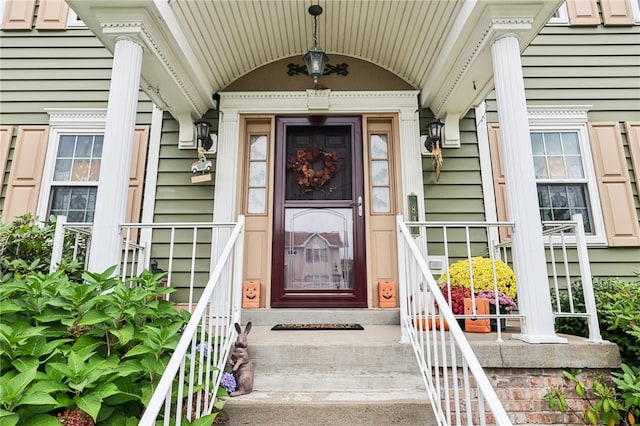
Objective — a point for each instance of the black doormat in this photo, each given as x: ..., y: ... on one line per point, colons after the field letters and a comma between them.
x: 300, y: 327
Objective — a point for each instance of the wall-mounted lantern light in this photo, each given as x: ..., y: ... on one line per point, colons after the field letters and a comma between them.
x: 203, y: 133
x: 434, y: 134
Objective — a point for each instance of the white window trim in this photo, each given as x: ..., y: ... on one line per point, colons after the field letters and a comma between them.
x: 562, y: 18
x: 73, y: 21
x: 574, y: 118
x: 62, y: 122
x: 3, y: 4
x: 635, y: 6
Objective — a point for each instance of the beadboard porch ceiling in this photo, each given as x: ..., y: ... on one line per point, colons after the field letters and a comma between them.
x: 194, y: 48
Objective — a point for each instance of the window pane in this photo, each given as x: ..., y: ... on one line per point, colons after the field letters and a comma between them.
x: 97, y: 146
x: 84, y: 146
x: 537, y: 145
x: 553, y: 144
x: 380, y: 172
x: 570, y: 143
x: 540, y: 164
x: 258, y: 150
x: 77, y: 203
x: 556, y: 167
x: 560, y: 202
x: 574, y: 164
x: 62, y: 170
x: 66, y: 146
x: 379, y: 146
x: 381, y: 200
x: 258, y: 173
x: 256, y: 201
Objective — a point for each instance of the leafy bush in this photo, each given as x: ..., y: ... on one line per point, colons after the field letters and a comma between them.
x: 483, y: 279
x: 26, y: 246
x: 605, y: 404
x: 618, y: 315
x: 65, y: 345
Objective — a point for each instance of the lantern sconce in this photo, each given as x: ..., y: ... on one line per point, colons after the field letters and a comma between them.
x: 434, y: 135
x: 206, y: 139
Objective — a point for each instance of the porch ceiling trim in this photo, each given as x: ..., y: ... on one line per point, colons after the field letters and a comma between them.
x: 195, y: 48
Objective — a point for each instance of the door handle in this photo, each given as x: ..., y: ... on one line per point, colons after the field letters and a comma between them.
x: 359, y: 203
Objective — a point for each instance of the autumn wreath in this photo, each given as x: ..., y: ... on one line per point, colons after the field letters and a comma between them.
x: 303, y: 163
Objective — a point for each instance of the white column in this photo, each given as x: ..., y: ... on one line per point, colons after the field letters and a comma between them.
x: 534, y: 300
x: 113, y: 187
x: 224, y: 209
x: 411, y: 159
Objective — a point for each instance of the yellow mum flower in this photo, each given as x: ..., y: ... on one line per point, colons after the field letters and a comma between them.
x: 483, y: 279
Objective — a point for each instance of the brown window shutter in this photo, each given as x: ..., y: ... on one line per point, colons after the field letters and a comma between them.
x: 6, y: 133
x: 498, y: 178
x: 617, y: 12
x: 136, y: 177
x: 23, y: 188
x: 616, y: 195
x: 583, y: 12
x: 633, y: 137
x: 52, y: 15
x: 18, y: 14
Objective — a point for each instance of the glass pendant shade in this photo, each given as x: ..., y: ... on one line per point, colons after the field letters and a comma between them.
x: 315, y: 60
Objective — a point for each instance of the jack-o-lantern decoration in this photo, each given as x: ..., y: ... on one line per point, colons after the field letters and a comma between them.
x: 387, y: 294
x: 251, y: 294
x: 478, y: 325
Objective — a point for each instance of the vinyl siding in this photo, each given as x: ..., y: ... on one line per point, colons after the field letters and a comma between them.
x: 595, y: 66
x: 52, y: 69
x: 179, y: 200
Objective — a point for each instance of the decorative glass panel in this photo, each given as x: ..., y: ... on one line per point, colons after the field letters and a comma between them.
x: 258, y: 150
x: 318, y: 249
x: 380, y: 172
x: 256, y: 203
x: 258, y: 173
x: 381, y: 200
x: 379, y: 146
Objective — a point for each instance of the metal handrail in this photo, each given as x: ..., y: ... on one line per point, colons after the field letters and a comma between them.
x: 210, y: 327
x: 445, y: 359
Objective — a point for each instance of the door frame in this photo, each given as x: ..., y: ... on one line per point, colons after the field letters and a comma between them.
x: 228, y: 191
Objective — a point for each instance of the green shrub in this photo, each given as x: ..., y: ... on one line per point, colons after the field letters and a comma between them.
x: 26, y: 246
x: 618, y: 315
x: 65, y: 345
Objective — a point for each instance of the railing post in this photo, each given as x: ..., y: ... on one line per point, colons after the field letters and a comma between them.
x: 402, y: 282
x: 587, y: 283
x: 58, y: 243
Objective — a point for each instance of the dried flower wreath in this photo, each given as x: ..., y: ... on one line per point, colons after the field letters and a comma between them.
x: 302, y: 163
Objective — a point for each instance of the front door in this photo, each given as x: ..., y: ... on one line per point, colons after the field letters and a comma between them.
x: 318, y: 234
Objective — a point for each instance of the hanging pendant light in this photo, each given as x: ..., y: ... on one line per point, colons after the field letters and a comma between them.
x: 315, y: 59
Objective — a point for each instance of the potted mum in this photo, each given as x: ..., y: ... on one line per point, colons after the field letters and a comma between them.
x: 458, y: 294
x: 459, y: 274
x: 504, y: 303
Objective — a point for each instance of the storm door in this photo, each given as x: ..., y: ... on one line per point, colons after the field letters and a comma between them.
x: 318, y: 234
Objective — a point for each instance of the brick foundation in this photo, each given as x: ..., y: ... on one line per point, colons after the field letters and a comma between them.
x: 522, y: 391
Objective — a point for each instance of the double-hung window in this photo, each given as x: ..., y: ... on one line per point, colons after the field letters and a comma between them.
x: 73, y: 165
x: 564, y: 172
x: 75, y: 178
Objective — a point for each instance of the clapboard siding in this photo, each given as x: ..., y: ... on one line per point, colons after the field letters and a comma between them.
x: 40, y: 70
x: 596, y: 66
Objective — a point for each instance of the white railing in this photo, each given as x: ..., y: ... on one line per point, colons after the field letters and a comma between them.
x: 190, y: 382
x: 458, y: 389
x: 565, y: 243
x: 78, y: 241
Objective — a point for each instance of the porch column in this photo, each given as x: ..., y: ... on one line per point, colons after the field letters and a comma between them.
x: 113, y: 187
x: 530, y: 267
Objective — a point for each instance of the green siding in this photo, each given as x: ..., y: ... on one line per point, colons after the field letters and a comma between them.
x: 53, y: 69
x: 595, y: 66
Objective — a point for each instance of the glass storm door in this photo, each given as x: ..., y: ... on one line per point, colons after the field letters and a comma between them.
x: 318, y: 240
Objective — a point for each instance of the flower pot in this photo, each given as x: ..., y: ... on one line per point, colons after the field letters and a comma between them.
x: 494, y: 324
x: 420, y: 324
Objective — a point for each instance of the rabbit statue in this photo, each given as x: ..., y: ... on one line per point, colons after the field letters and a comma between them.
x: 242, y: 366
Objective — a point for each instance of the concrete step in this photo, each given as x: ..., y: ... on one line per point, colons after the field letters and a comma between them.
x: 357, y: 377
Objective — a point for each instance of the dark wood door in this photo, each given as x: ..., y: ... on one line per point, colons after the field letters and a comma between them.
x: 318, y: 233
